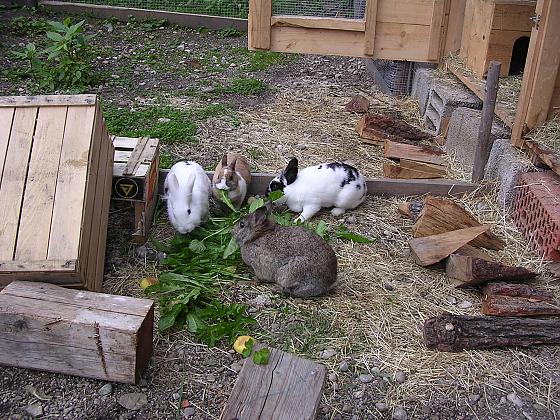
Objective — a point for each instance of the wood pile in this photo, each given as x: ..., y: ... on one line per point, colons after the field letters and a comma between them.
x: 444, y: 232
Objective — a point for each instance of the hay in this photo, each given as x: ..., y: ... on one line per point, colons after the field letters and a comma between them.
x: 547, y: 133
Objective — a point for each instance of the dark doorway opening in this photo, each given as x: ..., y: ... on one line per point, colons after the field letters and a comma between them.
x: 519, y: 55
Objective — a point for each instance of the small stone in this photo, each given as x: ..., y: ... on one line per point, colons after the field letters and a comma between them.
x: 527, y: 416
x: 161, y: 256
x: 358, y: 394
x: 188, y: 412
x: 449, y: 327
x: 503, y: 400
x: 343, y: 367
x: 141, y: 251
x: 164, y: 120
x: 434, y: 417
x: 210, y: 378
x: 400, y: 376
x: 351, y: 220
x: 328, y: 353
x: 387, y: 234
x: 332, y: 377
x: 382, y: 407
x: 109, y: 27
x: 464, y: 304
x: 451, y: 300
x: 324, y: 409
x: 399, y: 414
x: 236, y: 367
x: 515, y: 400
x: 474, y: 398
x: 105, y: 390
x: 301, y: 146
x: 346, y: 408
x: 15, y: 417
x: 34, y: 410
x: 426, y: 410
x: 365, y: 378
x: 388, y: 286
x: 133, y: 401
x: 261, y: 301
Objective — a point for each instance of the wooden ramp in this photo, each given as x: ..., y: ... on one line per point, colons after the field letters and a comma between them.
x: 287, y: 388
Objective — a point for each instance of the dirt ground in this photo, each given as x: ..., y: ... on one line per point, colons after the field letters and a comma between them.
x: 368, y: 333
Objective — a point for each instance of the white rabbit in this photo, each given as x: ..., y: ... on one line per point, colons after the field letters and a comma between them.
x: 187, y: 191
x: 334, y: 184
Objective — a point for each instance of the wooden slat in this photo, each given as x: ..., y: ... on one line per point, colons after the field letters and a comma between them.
x: 118, y: 168
x: 513, y: 17
x: 287, y: 388
x: 259, y: 24
x: 398, y: 172
x: 6, y: 119
x: 47, y: 100
x: 316, y: 22
x: 13, y: 178
x: 424, y: 167
x: 409, y: 12
x: 455, y: 26
x: 546, y: 154
x: 68, y: 208
x: 37, y: 266
x: 134, y: 159
x: 476, y: 34
x: 436, y: 29
x: 370, y: 25
x: 396, y: 150
x: 67, y: 278
x: 40, y: 187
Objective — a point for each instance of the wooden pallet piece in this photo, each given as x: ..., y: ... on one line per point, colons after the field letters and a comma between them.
x: 465, y: 271
x: 432, y: 249
x: 440, y: 216
x: 390, y: 170
x: 456, y: 333
x: 288, y: 387
x: 504, y: 299
x: 93, y: 335
x: 395, y: 150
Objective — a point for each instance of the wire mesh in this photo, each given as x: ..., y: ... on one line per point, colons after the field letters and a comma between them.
x: 225, y: 8
x: 350, y: 9
x: 395, y: 77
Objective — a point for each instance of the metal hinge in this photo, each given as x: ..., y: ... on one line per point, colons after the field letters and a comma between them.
x: 535, y: 20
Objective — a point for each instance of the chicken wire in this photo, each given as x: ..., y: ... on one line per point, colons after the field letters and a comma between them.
x: 225, y: 8
x: 350, y: 9
x: 392, y: 77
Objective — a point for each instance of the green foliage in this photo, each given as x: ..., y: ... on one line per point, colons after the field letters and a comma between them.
x: 214, y: 110
x: 25, y: 25
x: 165, y: 161
x: 261, y: 357
x: 261, y: 60
x: 65, y: 63
x: 246, y: 86
x: 151, y: 25
x: 229, y: 33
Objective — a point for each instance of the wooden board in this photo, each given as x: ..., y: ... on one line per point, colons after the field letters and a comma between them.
x: 432, y: 249
x: 424, y: 167
x: 503, y: 299
x: 287, y: 388
x: 316, y: 22
x: 94, y: 335
x: 396, y: 150
x: 47, y: 100
x: 440, y: 216
x: 545, y: 154
x: 472, y: 251
x: 370, y: 26
x: 259, y: 23
x: 455, y: 333
x: 391, y: 170
x: 454, y: 26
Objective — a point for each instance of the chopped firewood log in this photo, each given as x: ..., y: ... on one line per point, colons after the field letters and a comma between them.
x: 455, y: 333
x: 431, y: 249
x: 411, y: 209
x: 378, y: 127
x: 396, y: 150
x: 358, y: 104
x: 465, y: 271
x: 424, y: 167
x: 439, y: 216
x: 471, y: 251
x: 504, y: 299
x: 398, y: 172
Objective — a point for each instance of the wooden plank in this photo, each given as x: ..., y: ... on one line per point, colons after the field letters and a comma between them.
x: 124, y: 143
x: 503, y: 299
x: 391, y: 170
x: 476, y: 34
x: 429, y: 250
x: 501, y: 46
x: 260, y: 12
x: 47, y: 100
x: 440, y: 216
x: 466, y: 271
x: 316, y: 22
x: 513, y: 17
x: 118, y: 168
x: 546, y: 154
x: 134, y: 159
x: 424, y: 167
x: 123, y: 14
x: 6, y: 120
x: 40, y: 187
x: 409, y: 12
x: 13, y: 178
x: 78, y: 337
x: 36, y: 266
x: 436, y: 21
x: 370, y: 19
x: 455, y: 26
x: 541, y: 71
x: 455, y: 333
x: 396, y: 150
x: 68, y: 211
x: 66, y: 278
x: 288, y: 387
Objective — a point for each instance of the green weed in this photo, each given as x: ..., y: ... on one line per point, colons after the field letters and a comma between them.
x: 25, y: 25
x: 246, y: 86
x: 165, y: 161
x: 151, y: 25
x: 229, y: 33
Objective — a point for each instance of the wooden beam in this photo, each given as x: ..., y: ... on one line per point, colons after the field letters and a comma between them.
x: 316, y: 22
x: 260, y: 12
x: 370, y: 25
x: 546, y: 154
x: 190, y: 20
x: 454, y: 26
x: 436, y: 29
x: 484, y: 141
x: 47, y: 100
x: 390, y: 170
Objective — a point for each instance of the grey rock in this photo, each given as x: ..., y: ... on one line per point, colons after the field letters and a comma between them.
x: 527, y: 416
x: 503, y: 400
x: 133, y: 401
x: 388, y: 286
x: 343, y: 367
x: 400, y: 376
x: 188, y: 412
x: 301, y: 146
x: 141, y: 251
x: 332, y: 377
x: 351, y: 220
x: 465, y: 304
x: 399, y: 413
x: 382, y: 407
x: 161, y: 256
x: 236, y: 367
x: 365, y: 378
x: 34, y: 410
x: 358, y: 394
x: 109, y: 27
x: 346, y: 408
x: 261, y: 301
x: 474, y: 398
x: 515, y: 400
x: 175, y: 396
x: 328, y: 353
x: 105, y: 389
x: 451, y: 300
x: 164, y: 120
x: 210, y: 378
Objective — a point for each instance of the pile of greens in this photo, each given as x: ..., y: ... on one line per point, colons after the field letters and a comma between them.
x: 199, y: 263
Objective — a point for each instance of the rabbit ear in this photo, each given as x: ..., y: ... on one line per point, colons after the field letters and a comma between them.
x: 233, y: 163
x: 260, y: 215
x: 173, y: 181
x: 291, y: 171
x: 268, y: 207
x: 189, y: 188
x: 224, y: 160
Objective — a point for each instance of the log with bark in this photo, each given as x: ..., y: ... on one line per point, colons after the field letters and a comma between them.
x: 397, y: 150
x: 386, y: 126
x: 455, y: 333
x: 505, y: 299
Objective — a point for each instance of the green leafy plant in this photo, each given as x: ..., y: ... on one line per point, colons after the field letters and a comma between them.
x: 25, y: 25
x: 246, y: 86
x: 150, y: 25
x: 229, y: 33
x: 261, y: 356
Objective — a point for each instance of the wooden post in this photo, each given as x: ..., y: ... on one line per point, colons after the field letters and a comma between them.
x: 260, y: 12
x: 484, y: 143
x: 371, y: 22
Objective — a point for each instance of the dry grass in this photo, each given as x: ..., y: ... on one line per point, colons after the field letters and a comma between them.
x: 548, y: 133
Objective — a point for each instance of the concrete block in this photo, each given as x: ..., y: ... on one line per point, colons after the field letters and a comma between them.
x: 421, y: 86
x: 505, y: 164
x: 446, y: 96
x: 462, y: 135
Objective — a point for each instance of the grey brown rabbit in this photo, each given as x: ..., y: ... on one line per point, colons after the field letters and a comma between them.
x: 301, y: 262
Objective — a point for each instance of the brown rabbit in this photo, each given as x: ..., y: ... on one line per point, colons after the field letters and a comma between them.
x: 232, y: 174
x: 301, y: 262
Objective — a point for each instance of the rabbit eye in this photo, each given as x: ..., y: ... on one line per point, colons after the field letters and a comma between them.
x: 241, y: 225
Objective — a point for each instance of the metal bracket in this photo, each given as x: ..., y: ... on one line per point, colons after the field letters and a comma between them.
x: 535, y: 20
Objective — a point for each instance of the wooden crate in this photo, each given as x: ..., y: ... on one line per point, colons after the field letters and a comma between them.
x: 490, y: 30
x: 94, y: 335
x: 135, y: 178
x: 56, y: 162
